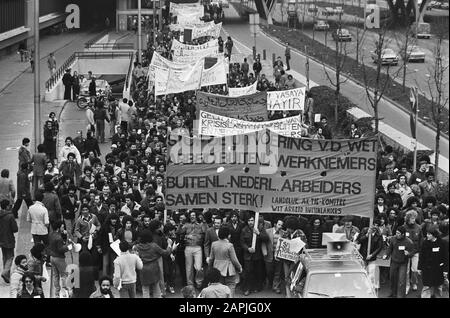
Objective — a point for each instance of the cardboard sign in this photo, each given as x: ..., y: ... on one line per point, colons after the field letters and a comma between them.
x: 289, y: 249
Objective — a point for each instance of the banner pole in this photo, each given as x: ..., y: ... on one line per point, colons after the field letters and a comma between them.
x: 255, y: 227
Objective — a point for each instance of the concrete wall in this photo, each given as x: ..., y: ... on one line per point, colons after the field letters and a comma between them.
x: 102, y: 66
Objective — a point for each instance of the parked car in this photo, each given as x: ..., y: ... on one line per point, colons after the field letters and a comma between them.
x: 321, y: 25
x: 388, y: 57
x: 422, y: 31
x: 444, y: 6
x: 342, y: 35
x: 414, y: 54
x: 435, y: 4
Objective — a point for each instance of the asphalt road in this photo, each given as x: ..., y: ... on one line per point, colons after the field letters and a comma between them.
x: 417, y: 74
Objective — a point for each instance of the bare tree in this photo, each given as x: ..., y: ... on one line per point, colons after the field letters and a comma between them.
x: 376, y: 88
x: 340, y: 56
x: 436, y: 87
x: 405, y: 42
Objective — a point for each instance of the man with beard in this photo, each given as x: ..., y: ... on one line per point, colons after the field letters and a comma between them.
x: 104, y: 289
x: 16, y: 277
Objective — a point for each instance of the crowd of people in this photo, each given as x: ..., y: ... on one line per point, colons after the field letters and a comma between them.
x: 109, y: 209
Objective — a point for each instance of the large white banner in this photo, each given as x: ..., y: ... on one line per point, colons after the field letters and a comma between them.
x: 186, y: 8
x: 181, y: 49
x: 187, y: 25
x: 189, y: 17
x: 240, y: 91
x: 293, y: 99
x: 160, y: 67
x: 171, y: 81
x: 189, y: 54
x: 216, y: 74
x: 209, y: 29
x: 219, y: 126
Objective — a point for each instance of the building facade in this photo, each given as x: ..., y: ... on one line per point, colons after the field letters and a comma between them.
x: 17, y: 20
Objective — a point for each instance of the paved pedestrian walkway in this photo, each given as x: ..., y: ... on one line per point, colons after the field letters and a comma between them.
x: 16, y: 99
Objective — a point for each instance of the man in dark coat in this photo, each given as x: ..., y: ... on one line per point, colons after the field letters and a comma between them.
x: 400, y: 251
x: 67, y: 82
x: 23, y: 190
x: 8, y: 227
x: 433, y: 263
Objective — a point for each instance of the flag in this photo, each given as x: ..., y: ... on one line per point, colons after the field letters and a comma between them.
x: 413, y: 99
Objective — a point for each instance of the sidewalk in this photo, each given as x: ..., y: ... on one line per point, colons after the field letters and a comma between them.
x: 16, y: 98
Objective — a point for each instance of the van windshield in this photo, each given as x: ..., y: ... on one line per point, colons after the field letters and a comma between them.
x: 336, y: 285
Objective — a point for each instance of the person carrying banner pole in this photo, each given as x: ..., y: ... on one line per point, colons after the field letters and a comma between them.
x: 414, y: 100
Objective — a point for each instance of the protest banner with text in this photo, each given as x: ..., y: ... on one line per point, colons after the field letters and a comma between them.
x: 241, y: 91
x: 250, y: 108
x: 209, y: 29
x: 266, y: 172
x: 219, y: 126
x: 293, y: 99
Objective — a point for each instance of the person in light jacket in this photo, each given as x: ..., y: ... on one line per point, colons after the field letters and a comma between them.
x: 223, y: 257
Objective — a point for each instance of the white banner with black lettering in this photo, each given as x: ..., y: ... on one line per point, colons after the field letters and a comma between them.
x: 171, y: 81
x: 215, y: 75
x: 241, y: 91
x: 177, y: 8
x: 293, y: 99
x: 209, y: 29
x: 219, y: 126
x: 181, y: 49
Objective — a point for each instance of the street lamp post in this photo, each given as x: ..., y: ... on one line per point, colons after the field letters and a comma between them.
x: 139, y: 33
x: 37, y: 87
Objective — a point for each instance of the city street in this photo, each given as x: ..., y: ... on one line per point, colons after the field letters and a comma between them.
x: 418, y: 74
x: 154, y: 203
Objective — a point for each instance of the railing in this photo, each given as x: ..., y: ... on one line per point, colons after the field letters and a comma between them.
x: 50, y: 83
x: 59, y: 73
x: 95, y: 39
x: 112, y: 46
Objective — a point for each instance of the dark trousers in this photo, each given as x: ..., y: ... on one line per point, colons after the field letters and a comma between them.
x: 40, y: 239
x: 180, y: 260
x: 100, y: 130
x: 124, y: 126
x: 18, y: 204
x: 274, y: 271
x: 68, y: 92
x: 398, y: 279
x: 253, y: 275
x: 8, y: 257
x: 288, y: 66
x: 170, y: 270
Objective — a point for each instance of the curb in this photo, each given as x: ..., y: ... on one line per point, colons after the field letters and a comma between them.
x: 359, y: 83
